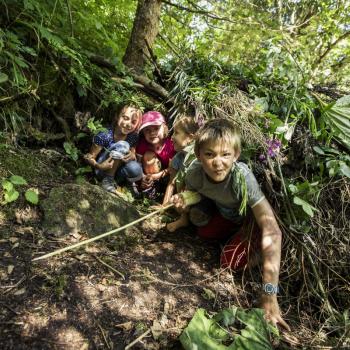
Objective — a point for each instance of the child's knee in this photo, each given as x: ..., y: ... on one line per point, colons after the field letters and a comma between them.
x: 132, y: 171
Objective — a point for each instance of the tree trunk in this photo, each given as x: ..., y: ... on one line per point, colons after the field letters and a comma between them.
x: 144, y: 31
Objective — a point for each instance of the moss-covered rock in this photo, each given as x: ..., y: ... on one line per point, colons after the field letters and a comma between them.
x: 36, y: 166
x: 73, y: 208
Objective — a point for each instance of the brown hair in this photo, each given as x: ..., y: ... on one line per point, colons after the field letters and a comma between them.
x: 218, y: 130
x: 137, y: 113
x: 187, y: 124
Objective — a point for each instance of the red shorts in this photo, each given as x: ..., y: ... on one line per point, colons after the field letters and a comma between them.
x: 239, y: 248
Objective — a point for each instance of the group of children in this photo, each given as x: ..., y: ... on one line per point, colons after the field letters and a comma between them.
x: 138, y: 150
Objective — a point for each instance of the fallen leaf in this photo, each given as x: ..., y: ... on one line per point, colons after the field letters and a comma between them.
x: 126, y: 326
x: 10, y: 269
x: 13, y: 239
x: 156, y: 329
x: 20, y: 291
x: 76, y: 235
x: 208, y: 294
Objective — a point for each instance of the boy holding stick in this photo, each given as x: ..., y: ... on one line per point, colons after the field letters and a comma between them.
x: 227, y: 187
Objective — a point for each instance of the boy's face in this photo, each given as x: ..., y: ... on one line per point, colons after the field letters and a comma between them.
x: 128, y: 121
x: 217, y: 159
x: 180, y: 138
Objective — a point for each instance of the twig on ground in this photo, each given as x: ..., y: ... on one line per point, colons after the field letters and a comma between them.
x: 137, y: 339
x: 110, y: 267
x: 104, y: 336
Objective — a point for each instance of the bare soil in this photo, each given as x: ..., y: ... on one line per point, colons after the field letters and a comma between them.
x: 137, y: 290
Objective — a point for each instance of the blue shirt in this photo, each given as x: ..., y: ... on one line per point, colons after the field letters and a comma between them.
x: 106, y: 138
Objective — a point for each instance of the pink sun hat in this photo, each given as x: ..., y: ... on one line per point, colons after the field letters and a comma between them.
x: 151, y: 118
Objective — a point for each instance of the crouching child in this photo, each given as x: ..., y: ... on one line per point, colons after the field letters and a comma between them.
x: 229, y: 193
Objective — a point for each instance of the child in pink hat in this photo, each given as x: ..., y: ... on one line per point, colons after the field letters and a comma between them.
x: 154, y: 150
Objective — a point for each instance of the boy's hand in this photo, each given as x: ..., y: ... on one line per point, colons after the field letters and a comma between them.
x: 178, y: 201
x: 107, y: 164
x: 272, y: 311
x: 146, y: 181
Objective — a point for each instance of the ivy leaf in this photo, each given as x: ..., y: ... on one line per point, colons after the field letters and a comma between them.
x: 3, y: 77
x: 32, y: 196
x: 11, y: 196
x: 319, y: 150
x: 7, y: 185
x: 18, y: 180
x: 344, y: 169
x: 308, y: 208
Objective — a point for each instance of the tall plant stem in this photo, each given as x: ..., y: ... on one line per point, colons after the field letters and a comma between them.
x: 322, y: 290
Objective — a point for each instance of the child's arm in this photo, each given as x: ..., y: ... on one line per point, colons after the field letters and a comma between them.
x: 92, y: 155
x: 171, y: 186
x: 271, y: 254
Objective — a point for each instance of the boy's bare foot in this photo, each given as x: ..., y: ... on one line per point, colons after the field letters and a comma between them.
x: 181, y: 222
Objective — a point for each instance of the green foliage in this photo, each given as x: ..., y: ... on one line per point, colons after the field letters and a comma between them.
x: 95, y: 126
x: 11, y: 194
x: 304, y: 192
x: 237, y: 31
x: 45, y: 57
x: 18, y: 180
x: 233, y: 329
x: 32, y: 196
x: 336, y: 117
x: 337, y: 163
x: 71, y: 150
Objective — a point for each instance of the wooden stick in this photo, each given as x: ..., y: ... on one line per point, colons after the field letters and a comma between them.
x: 137, y: 339
x: 76, y: 245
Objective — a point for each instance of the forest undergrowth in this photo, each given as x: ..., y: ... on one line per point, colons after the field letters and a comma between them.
x: 55, y: 92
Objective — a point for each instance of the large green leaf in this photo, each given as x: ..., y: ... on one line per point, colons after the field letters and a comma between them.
x: 213, y: 333
x: 18, y: 180
x: 337, y: 117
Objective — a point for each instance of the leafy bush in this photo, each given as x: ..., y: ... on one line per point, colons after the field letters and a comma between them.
x: 11, y: 194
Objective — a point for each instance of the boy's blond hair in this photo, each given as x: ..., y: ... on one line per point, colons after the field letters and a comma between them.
x: 187, y: 124
x: 218, y: 130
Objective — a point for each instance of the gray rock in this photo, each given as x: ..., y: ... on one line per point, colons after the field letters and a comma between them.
x: 74, y: 208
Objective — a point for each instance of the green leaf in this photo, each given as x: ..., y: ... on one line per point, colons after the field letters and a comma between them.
x: 18, y: 180
x: 344, y: 169
x: 11, y: 196
x: 205, y: 333
x: 3, y: 77
x: 337, y: 117
x: 319, y: 150
x: 32, y: 196
x: 83, y: 170
x: 7, y: 185
x: 308, y: 208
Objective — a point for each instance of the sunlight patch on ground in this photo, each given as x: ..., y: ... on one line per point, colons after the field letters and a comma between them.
x: 71, y: 338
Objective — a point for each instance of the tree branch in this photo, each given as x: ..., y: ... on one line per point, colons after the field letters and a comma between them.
x: 142, y: 82
x: 200, y: 11
x: 330, y: 47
